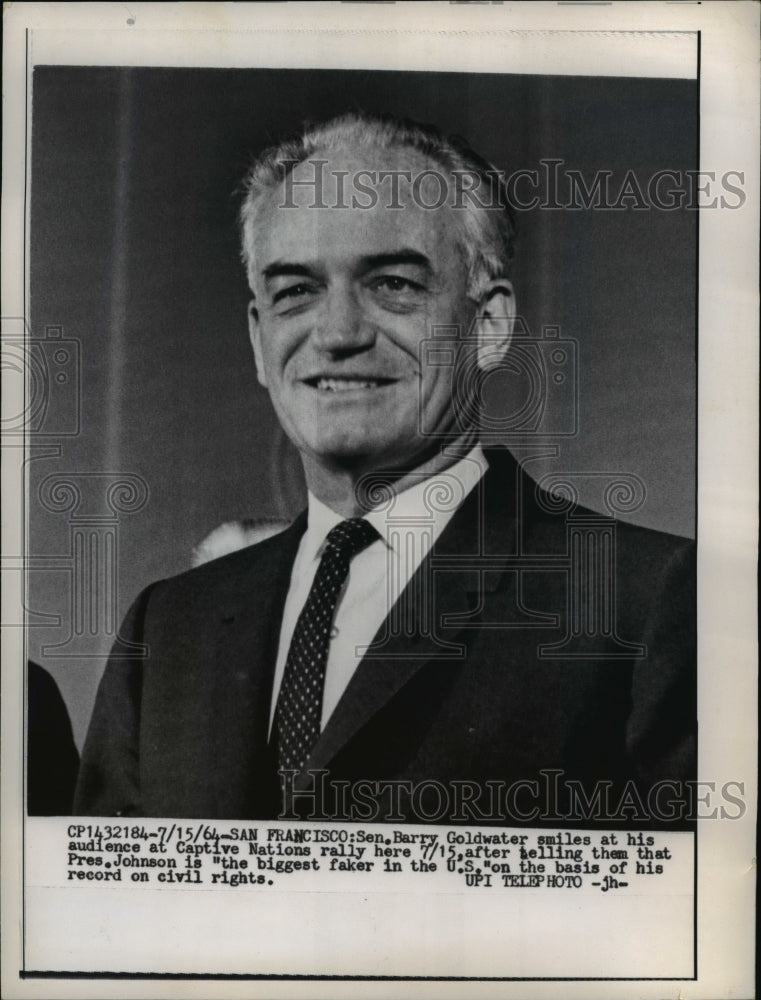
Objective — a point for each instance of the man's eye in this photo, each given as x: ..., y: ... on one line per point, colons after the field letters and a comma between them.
x: 396, y: 285
x: 292, y: 292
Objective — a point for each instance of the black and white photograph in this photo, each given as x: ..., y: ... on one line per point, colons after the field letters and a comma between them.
x: 359, y: 376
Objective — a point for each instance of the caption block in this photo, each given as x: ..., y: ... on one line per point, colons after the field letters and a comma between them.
x: 300, y: 856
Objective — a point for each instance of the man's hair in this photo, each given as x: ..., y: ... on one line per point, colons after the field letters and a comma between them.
x: 486, y: 224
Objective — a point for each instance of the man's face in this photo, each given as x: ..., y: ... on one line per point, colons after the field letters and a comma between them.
x: 343, y: 298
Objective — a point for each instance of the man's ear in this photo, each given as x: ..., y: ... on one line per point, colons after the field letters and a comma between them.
x: 495, y: 321
x: 255, y: 336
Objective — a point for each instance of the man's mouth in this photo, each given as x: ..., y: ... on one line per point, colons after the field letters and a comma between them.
x: 345, y: 384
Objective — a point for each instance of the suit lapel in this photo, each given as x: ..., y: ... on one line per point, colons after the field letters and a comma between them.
x: 248, y: 617
x: 484, y: 524
x: 391, y: 662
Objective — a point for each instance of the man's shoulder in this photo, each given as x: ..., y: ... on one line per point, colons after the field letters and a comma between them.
x: 250, y: 567
x: 547, y: 506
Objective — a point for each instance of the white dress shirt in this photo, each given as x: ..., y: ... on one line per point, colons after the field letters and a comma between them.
x: 407, y: 528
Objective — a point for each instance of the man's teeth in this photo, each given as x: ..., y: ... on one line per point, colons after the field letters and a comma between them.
x: 342, y: 384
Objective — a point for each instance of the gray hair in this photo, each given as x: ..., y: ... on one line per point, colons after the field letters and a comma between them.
x: 487, y: 229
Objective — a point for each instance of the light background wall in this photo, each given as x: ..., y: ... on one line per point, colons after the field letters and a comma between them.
x: 134, y: 254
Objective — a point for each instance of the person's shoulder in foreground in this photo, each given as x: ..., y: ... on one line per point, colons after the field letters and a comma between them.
x: 52, y: 757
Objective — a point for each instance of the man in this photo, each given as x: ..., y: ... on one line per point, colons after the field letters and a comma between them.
x: 424, y: 643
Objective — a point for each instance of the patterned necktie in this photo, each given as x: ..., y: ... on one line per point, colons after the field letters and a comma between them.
x: 299, y: 704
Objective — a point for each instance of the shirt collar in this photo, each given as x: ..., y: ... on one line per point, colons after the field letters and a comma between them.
x: 424, y: 507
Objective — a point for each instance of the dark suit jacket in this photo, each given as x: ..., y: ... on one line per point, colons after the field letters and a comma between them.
x: 532, y: 662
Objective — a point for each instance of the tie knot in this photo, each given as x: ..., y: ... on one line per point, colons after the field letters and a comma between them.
x: 350, y: 537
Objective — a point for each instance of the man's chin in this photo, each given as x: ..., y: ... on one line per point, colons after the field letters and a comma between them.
x: 364, y: 457
x: 347, y: 456
x: 352, y: 452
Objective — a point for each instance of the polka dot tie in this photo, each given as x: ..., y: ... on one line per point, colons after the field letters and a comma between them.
x: 299, y: 705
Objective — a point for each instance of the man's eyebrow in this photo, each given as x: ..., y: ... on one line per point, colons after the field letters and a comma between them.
x: 398, y: 257
x: 392, y: 258
x: 285, y: 268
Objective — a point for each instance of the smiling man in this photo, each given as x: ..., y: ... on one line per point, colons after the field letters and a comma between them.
x: 411, y: 647
x: 345, y: 293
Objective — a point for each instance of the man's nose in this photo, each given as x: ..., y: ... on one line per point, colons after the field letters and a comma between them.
x: 343, y: 327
